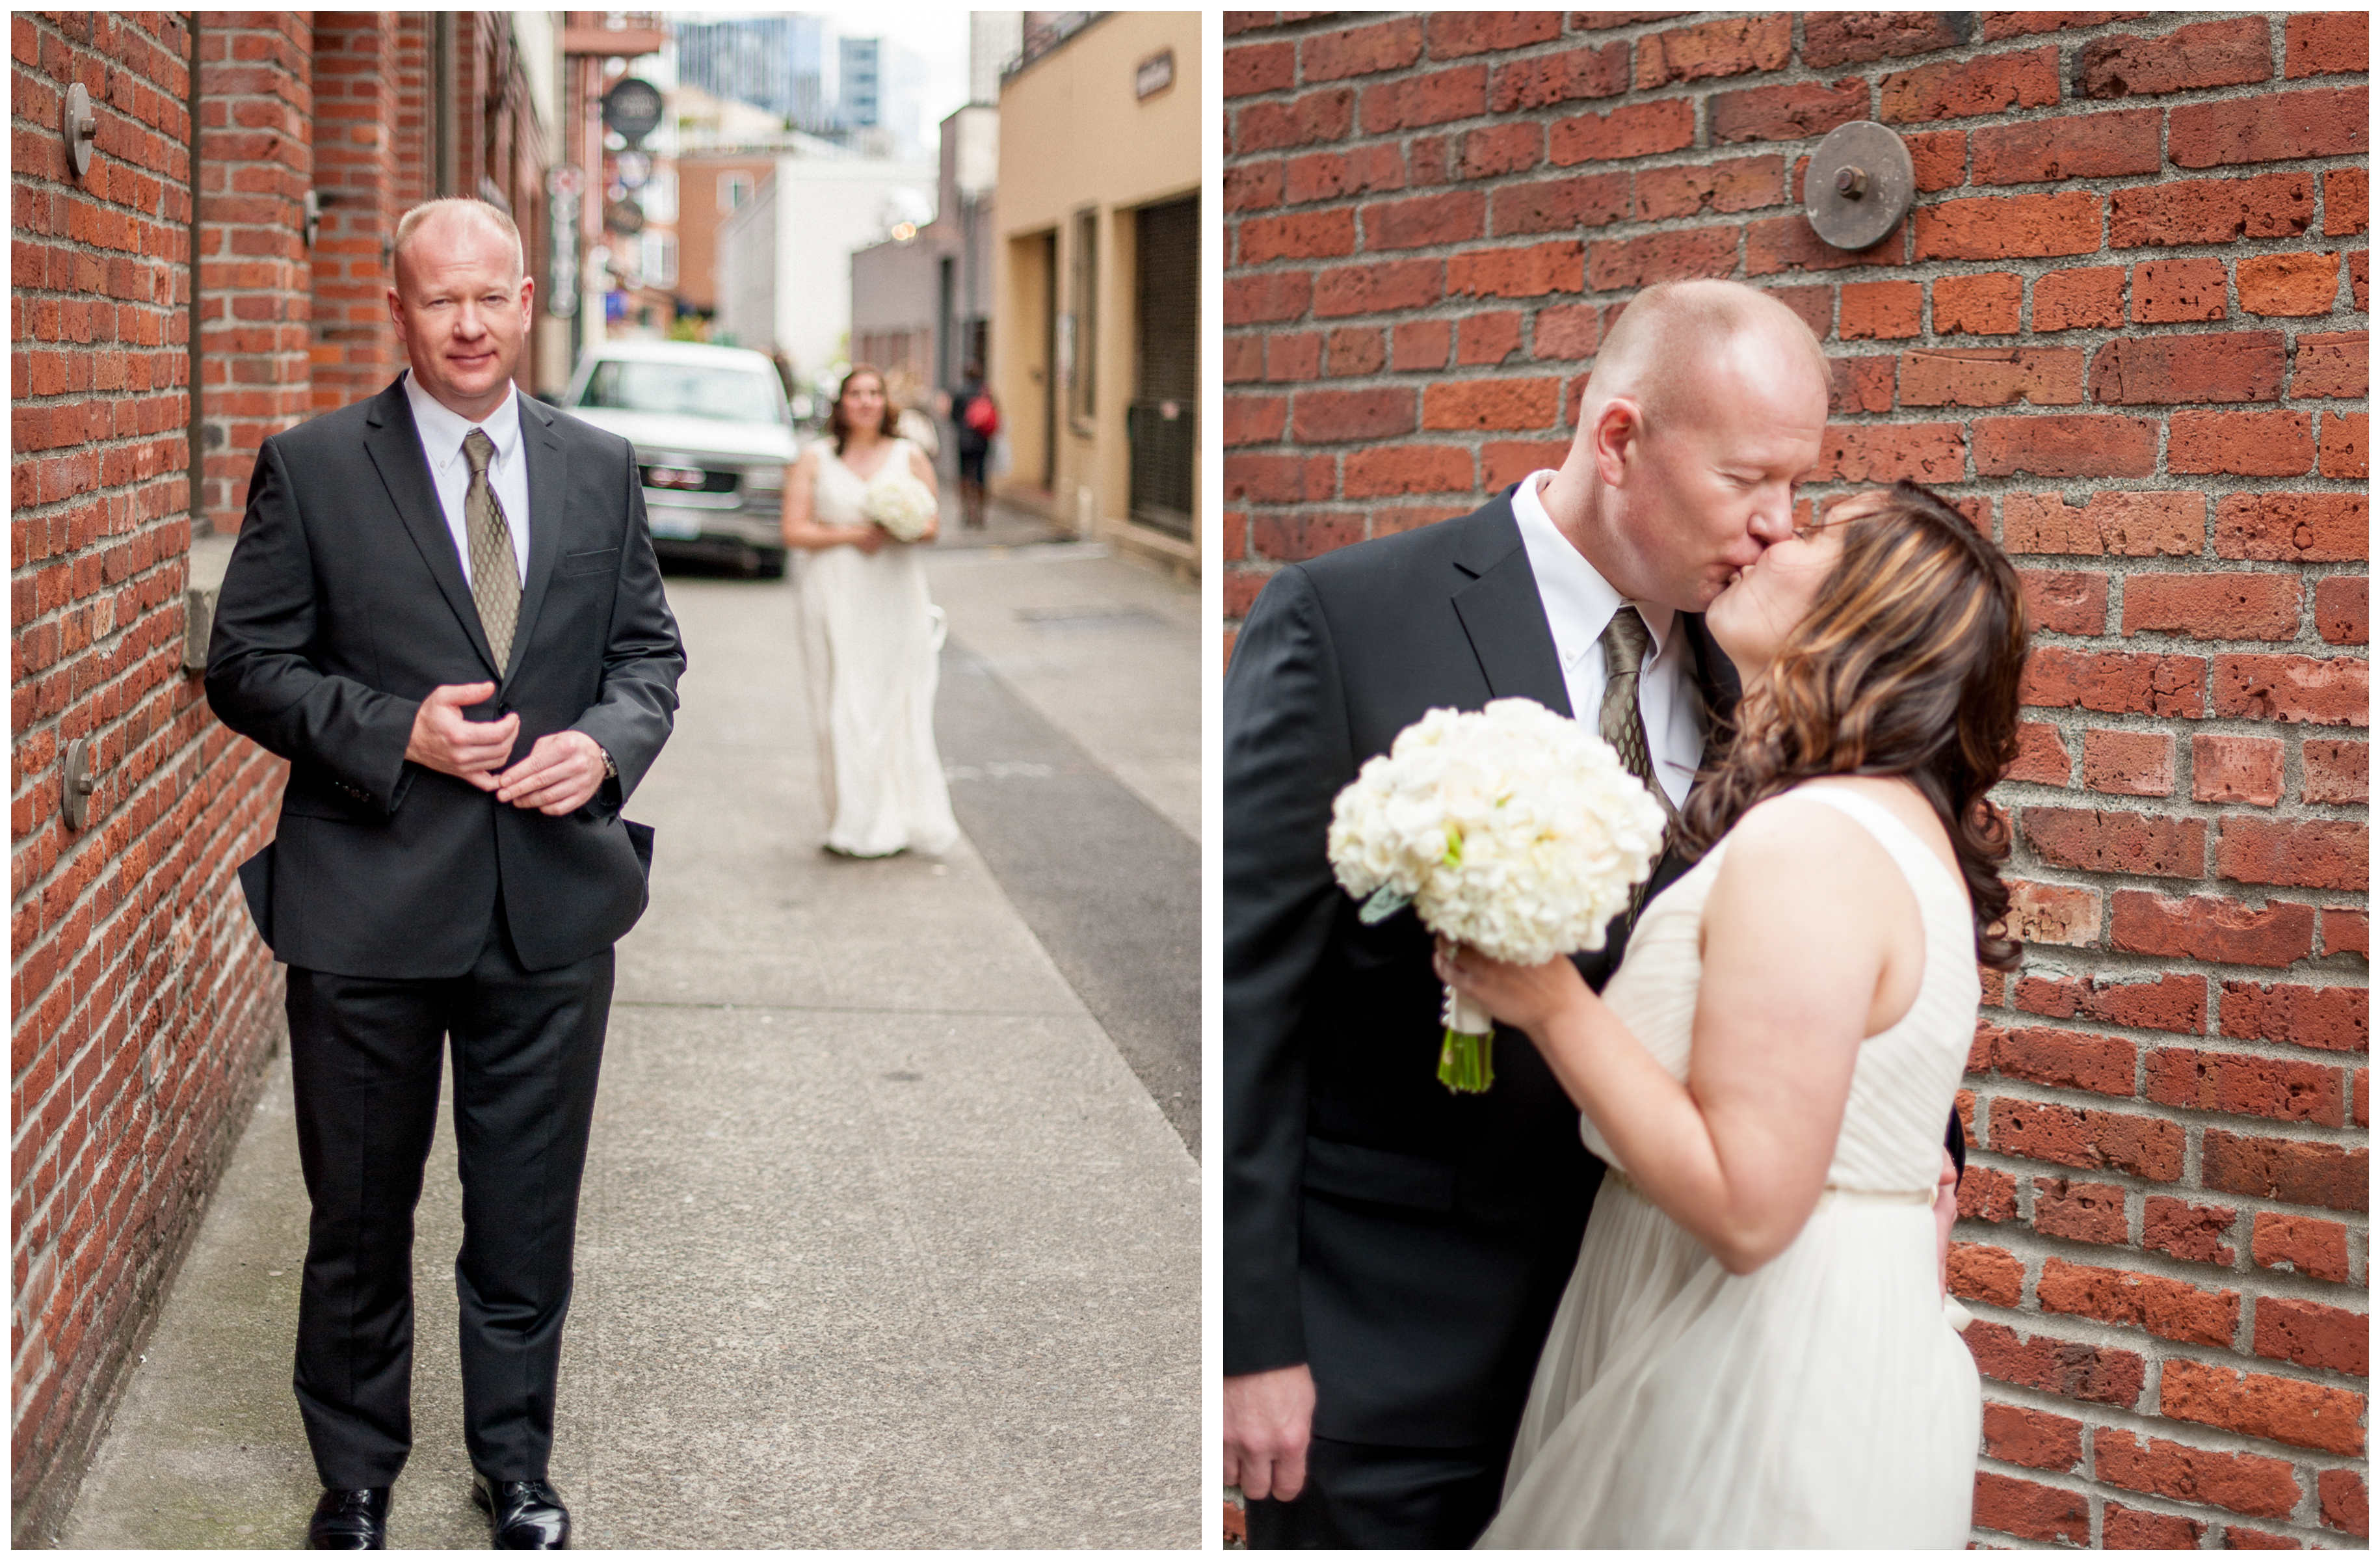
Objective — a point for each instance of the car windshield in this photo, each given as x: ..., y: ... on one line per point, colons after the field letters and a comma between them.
x: 688, y: 390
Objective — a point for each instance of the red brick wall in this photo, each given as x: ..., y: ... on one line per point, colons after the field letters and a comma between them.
x: 357, y: 165
x: 256, y: 163
x: 2125, y: 328
x: 142, y: 1002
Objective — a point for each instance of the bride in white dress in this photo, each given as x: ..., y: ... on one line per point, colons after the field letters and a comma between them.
x: 870, y: 636
x: 1754, y: 1350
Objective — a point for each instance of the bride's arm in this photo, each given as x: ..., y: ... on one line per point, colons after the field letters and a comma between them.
x: 798, y: 519
x: 1794, y: 937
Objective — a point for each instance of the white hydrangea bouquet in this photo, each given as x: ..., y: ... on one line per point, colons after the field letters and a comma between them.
x: 1511, y: 829
x: 898, y: 502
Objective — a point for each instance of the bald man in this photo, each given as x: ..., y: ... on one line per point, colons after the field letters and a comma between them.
x: 1393, y: 1253
x: 444, y: 611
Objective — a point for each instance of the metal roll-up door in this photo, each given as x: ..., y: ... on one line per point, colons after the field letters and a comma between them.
x: 1164, y: 414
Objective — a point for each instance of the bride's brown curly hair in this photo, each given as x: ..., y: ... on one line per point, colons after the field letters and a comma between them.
x: 1907, y: 664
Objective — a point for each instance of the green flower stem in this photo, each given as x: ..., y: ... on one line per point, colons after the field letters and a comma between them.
x: 1467, y: 1063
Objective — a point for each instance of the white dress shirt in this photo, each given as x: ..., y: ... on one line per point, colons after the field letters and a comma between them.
x: 442, y: 431
x: 1579, y: 603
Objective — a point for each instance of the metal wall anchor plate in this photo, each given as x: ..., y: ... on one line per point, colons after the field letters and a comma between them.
x: 1859, y: 186
x: 80, y: 128
x: 79, y: 783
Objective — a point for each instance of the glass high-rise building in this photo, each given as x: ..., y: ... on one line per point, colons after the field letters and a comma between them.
x: 777, y: 63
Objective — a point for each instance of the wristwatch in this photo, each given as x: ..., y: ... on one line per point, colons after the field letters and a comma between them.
x: 611, y: 766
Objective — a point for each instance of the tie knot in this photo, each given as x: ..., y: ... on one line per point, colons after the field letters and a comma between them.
x: 1624, y: 641
x: 479, y: 449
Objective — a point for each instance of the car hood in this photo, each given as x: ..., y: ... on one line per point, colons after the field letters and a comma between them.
x: 664, y: 433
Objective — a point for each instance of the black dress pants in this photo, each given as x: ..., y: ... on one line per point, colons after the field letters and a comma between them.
x: 365, y: 1055
x: 1362, y: 1497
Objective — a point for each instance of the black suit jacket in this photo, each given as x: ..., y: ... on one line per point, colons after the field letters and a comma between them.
x: 345, y: 604
x: 1409, y: 1244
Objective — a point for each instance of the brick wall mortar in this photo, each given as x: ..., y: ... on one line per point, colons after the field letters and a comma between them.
x: 1329, y: 438
x: 143, y: 1006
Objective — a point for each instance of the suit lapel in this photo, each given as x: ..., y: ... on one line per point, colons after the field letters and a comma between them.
x: 548, y: 472
x: 1495, y: 597
x: 395, y: 446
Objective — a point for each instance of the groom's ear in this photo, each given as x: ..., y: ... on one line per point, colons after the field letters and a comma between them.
x: 1614, y: 438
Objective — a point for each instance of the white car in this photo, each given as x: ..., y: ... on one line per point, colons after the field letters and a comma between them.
x: 713, y: 438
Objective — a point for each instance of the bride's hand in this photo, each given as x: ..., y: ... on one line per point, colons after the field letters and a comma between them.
x: 1524, y: 996
x: 869, y: 537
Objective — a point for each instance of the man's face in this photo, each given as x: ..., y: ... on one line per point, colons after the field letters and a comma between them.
x: 1713, y: 482
x: 463, y: 311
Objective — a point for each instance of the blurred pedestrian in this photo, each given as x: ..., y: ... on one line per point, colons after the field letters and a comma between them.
x: 904, y: 390
x: 977, y: 419
x: 869, y: 633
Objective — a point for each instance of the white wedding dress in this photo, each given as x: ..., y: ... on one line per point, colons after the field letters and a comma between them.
x: 871, y: 638
x: 1823, y: 1400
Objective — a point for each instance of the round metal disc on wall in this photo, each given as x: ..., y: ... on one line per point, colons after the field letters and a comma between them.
x: 1859, y: 185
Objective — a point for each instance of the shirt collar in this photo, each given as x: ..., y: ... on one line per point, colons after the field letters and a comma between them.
x: 442, y: 429
x: 1579, y: 601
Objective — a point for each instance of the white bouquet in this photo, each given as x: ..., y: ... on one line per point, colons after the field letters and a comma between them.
x: 898, y: 502
x: 1511, y: 829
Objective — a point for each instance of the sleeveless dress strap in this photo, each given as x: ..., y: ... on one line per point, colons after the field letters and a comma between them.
x: 1899, y: 841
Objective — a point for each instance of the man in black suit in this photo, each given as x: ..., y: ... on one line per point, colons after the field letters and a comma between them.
x: 1393, y: 1253
x: 444, y: 612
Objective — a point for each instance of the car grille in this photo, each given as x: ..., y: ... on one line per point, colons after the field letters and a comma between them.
x: 672, y: 477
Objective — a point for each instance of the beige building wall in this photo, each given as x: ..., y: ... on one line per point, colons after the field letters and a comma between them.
x: 1080, y: 153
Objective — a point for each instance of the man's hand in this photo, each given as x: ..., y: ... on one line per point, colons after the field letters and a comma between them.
x: 1946, y: 1214
x: 1267, y: 1421
x: 446, y: 741
x: 563, y: 770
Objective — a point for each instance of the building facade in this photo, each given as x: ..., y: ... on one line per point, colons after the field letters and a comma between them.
x: 209, y: 266
x: 921, y: 303
x: 1095, y: 323
x: 2125, y: 330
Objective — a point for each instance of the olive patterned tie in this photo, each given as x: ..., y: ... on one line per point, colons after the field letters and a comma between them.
x: 1621, y: 722
x: 495, y: 572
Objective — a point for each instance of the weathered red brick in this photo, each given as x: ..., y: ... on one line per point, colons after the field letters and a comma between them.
x: 1362, y: 50
x: 2276, y: 444
x: 2246, y: 1086
x: 2226, y: 769
x: 2337, y: 772
x: 2082, y: 1211
x: 2297, y: 528
x: 2218, y: 366
x: 2161, y: 847
x: 1300, y: 235
x: 2331, y: 364
x: 1677, y: 255
x: 1735, y: 184
x: 1928, y: 452
x: 2301, y: 1414
x: 1833, y: 37
x: 1986, y: 1274
x: 2346, y: 452
x: 2214, y: 54
x: 1447, y: 218
x: 2302, y: 689
x: 2215, y: 606
x: 2310, y: 1334
x: 2007, y: 227
x: 2078, y: 445
x: 2277, y: 127
x: 2123, y: 1527
x: 2288, y: 284
x: 2127, y: 763
x: 2193, y: 1232
x: 1492, y: 403
x: 1636, y: 130
x: 2042, y: 757
x: 2172, y: 1002
x: 1325, y: 115
x: 2070, y: 1370
x: 1394, y: 469
x: 2187, y: 289
x: 2305, y: 853
x: 1960, y: 88
x: 2136, y: 525
x: 2078, y: 146
x: 1257, y: 300
x: 1334, y: 416
x: 1549, y: 79
x: 1796, y: 112
x: 1457, y: 34
x: 1988, y: 304
x: 2345, y: 1504
x: 2278, y: 205
x: 1559, y: 205
x: 2291, y: 1170
x: 2147, y: 1147
x: 2031, y: 1511
x: 2207, y: 927
x: 2053, y: 913
x: 2065, y: 299
x: 1558, y: 267
x: 1249, y: 68
x: 1730, y: 46
x: 1421, y: 101
x: 1983, y: 376
x: 2032, y: 1438
x: 1388, y: 286
x: 2246, y: 1482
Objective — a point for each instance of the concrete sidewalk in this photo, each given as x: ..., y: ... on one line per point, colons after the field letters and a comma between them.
x: 884, y: 1242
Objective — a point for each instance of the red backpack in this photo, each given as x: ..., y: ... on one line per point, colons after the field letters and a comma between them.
x: 981, y: 416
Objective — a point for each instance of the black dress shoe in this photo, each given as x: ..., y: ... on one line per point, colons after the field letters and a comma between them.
x: 522, y: 1514
x: 349, y: 1520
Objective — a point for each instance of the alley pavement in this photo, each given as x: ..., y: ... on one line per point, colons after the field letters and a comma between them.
x: 890, y: 1235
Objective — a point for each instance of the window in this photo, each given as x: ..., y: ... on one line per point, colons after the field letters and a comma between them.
x: 1082, y: 400
x: 734, y: 191
x: 659, y: 258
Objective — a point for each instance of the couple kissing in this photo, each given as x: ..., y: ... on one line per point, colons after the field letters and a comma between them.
x: 1675, y: 1277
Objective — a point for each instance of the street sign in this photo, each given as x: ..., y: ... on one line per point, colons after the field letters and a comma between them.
x: 632, y: 108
